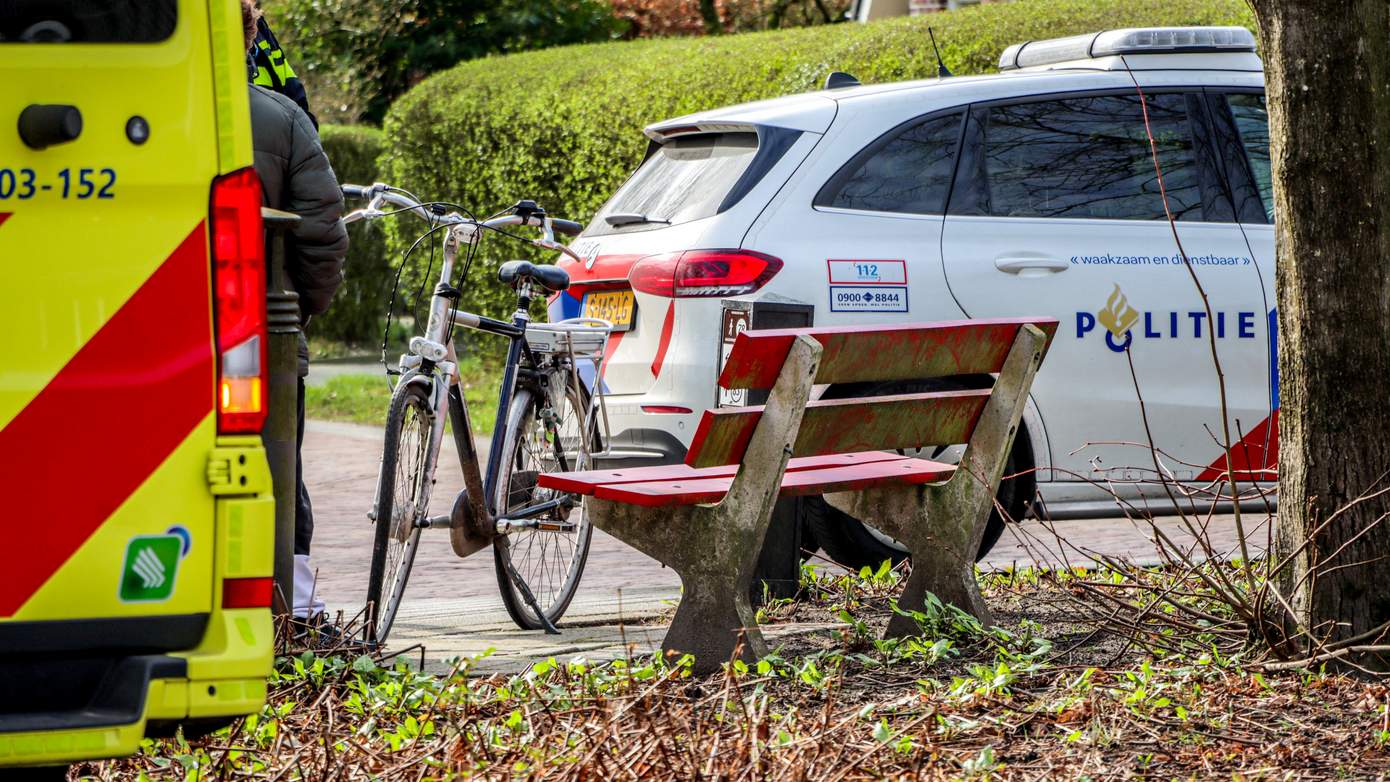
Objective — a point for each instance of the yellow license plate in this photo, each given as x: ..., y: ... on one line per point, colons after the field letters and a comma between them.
x: 616, y: 307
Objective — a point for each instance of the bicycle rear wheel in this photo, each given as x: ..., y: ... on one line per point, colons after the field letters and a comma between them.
x: 543, y: 435
x: 401, y: 498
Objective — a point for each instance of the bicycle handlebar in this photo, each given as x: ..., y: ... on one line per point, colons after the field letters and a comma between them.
x: 566, y: 227
x: 379, y: 194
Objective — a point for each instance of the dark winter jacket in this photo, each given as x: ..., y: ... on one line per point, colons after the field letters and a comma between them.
x: 296, y: 177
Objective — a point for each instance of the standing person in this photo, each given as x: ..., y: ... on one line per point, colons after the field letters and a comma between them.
x: 267, y: 66
x: 296, y: 177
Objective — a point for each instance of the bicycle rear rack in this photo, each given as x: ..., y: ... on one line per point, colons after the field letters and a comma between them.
x: 576, y: 337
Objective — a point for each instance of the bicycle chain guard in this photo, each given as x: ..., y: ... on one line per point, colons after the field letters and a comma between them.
x: 467, y: 533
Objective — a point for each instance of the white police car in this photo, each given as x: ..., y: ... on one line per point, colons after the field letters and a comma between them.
x: 1030, y: 192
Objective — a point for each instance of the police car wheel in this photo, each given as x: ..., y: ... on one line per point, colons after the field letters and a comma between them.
x: 854, y: 544
x: 844, y: 539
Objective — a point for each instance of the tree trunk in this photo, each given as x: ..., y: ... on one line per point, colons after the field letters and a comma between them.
x: 710, y: 14
x: 1328, y: 73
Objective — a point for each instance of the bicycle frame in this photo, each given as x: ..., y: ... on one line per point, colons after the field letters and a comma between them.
x: 432, y: 362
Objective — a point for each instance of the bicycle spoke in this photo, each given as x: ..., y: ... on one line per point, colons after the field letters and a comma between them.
x: 548, y: 561
x: 409, y: 500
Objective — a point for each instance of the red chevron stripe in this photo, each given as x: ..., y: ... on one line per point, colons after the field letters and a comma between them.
x: 4, y: 216
x: 665, y: 341
x: 1254, y: 458
x: 108, y: 419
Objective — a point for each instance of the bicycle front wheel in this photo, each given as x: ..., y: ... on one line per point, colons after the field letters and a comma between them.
x: 544, y: 433
x: 402, y: 495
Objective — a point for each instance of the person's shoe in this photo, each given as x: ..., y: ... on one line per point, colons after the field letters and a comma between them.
x: 318, y: 634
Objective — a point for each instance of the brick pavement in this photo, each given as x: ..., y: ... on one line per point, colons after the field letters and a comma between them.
x: 452, y: 606
x: 340, y: 469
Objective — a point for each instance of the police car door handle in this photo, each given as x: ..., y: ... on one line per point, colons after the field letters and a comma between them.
x: 1029, y: 265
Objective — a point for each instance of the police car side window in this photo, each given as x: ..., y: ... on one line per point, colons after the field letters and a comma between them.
x: 907, y: 171
x: 1252, y: 122
x: 1085, y: 157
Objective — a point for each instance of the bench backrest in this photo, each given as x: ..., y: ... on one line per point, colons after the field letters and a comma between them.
x: 859, y: 354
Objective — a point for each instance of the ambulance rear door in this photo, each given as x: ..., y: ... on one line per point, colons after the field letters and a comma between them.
x: 108, y: 150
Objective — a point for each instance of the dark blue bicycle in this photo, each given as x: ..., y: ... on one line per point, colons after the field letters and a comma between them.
x: 547, y: 421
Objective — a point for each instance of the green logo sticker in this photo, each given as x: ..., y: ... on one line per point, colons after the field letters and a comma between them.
x: 151, y: 563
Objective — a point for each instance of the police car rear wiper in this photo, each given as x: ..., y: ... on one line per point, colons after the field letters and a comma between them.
x: 632, y: 218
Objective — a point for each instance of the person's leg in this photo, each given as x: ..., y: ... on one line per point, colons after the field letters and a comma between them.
x: 304, y: 510
x: 307, y: 604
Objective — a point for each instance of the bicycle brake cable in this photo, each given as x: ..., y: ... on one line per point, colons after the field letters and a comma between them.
x: 395, y: 287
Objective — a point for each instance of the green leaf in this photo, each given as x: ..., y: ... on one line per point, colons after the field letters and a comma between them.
x: 882, y: 732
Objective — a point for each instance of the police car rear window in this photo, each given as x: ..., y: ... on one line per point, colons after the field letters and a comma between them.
x: 1252, y: 121
x: 685, y: 179
x: 86, y: 21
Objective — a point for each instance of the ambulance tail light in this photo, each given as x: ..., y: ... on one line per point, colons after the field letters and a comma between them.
x: 247, y: 592
x: 703, y: 273
x: 238, y: 258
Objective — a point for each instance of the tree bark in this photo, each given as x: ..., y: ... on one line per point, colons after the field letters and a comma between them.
x: 1327, y: 65
x: 710, y: 14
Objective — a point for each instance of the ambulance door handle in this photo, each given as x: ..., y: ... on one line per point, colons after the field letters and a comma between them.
x: 1029, y: 265
x: 42, y: 126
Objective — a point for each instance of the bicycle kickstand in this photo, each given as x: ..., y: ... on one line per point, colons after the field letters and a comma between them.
x: 530, y: 599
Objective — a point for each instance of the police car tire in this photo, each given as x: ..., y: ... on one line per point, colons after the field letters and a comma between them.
x: 845, y: 539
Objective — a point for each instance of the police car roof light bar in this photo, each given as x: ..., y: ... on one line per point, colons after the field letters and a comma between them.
x: 1135, y: 40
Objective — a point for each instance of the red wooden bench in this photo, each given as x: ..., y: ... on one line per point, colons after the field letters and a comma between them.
x: 706, y: 518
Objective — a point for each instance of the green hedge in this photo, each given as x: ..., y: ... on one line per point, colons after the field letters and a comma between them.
x: 563, y: 125
x: 359, y: 308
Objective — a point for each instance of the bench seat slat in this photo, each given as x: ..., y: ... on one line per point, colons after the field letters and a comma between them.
x: 585, y: 482
x: 897, y: 351
x: 847, y: 425
x: 902, y: 471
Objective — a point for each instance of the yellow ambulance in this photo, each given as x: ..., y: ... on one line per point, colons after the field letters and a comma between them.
x: 137, y: 527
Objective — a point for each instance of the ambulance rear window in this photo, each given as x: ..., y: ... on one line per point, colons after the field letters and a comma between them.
x: 87, y: 21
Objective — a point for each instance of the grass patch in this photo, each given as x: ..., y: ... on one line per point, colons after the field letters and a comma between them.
x: 321, y: 349
x: 363, y: 399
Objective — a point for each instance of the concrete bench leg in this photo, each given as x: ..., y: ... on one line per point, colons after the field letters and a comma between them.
x: 714, y: 616
x: 943, y: 524
x: 714, y: 612
x: 928, y: 520
x: 715, y: 548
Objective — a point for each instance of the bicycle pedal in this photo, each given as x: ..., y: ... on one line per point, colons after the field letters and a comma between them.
x: 436, y: 522
x: 505, y: 526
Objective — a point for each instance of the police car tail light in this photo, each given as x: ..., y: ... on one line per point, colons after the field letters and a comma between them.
x: 702, y: 273
x: 238, y: 263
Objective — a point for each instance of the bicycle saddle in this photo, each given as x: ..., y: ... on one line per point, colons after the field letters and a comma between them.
x: 552, y: 278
